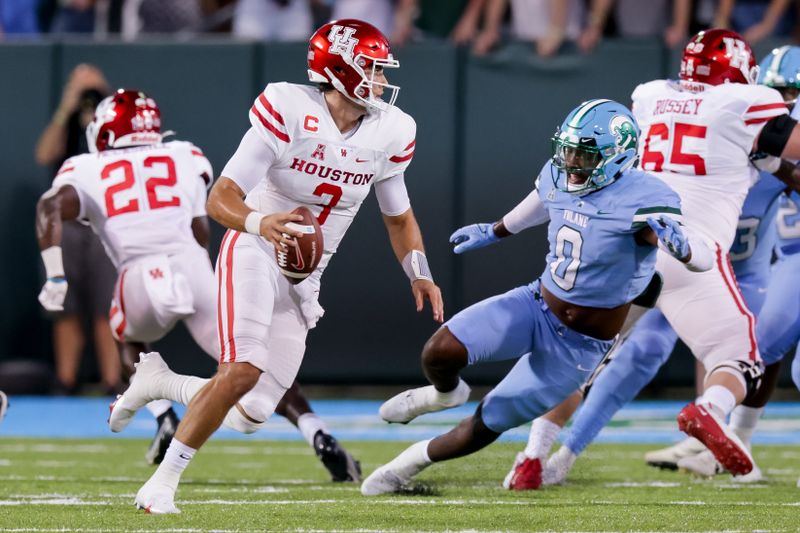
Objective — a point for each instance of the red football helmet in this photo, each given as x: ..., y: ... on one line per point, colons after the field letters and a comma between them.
x: 342, y: 52
x: 126, y: 118
x: 718, y: 56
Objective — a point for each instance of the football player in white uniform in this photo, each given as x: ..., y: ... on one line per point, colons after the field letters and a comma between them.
x: 320, y: 147
x: 146, y: 200
x: 700, y: 133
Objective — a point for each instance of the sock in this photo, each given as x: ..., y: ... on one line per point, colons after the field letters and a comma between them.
x: 720, y: 399
x: 175, y: 462
x: 566, y: 456
x: 180, y: 388
x: 412, y: 461
x: 159, y: 407
x: 309, y: 424
x: 744, y: 421
x: 541, y: 438
x: 451, y: 397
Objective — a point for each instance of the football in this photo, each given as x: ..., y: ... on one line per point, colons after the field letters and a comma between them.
x: 299, y: 259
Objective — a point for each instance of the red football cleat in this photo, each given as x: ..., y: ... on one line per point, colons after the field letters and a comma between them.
x: 702, y: 424
x: 527, y: 475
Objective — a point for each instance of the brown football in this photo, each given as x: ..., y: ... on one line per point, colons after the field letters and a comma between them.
x: 299, y: 259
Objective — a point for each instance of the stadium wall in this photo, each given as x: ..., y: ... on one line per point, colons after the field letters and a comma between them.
x: 483, y: 133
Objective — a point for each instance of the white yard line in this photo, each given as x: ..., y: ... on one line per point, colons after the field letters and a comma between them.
x: 67, y: 500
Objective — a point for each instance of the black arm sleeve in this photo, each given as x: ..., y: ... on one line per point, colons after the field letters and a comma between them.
x: 775, y: 134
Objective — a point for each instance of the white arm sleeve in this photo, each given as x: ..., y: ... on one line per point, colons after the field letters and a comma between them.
x: 529, y: 212
x: 392, y: 196
x: 250, y: 163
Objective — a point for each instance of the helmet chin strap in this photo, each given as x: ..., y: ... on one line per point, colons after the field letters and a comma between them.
x: 339, y: 86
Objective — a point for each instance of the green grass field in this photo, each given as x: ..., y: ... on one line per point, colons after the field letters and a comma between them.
x: 89, y: 486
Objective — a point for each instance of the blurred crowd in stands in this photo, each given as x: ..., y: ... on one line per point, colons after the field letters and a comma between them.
x: 483, y: 25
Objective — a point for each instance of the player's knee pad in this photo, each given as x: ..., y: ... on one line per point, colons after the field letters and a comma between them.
x: 236, y: 421
x: 259, y: 404
x: 749, y: 373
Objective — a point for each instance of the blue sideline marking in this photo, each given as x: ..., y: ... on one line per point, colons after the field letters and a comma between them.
x: 640, y: 422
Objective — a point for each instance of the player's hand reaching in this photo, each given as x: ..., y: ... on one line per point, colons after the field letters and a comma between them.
x: 472, y: 237
x: 424, y: 289
x: 671, y: 235
x: 53, y: 294
x: 274, y: 228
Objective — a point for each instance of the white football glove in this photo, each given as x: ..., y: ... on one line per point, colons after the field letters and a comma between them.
x: 53, y: 294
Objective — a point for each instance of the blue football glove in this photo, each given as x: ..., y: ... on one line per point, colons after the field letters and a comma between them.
x: 671, y: 235
x: 472, y: 237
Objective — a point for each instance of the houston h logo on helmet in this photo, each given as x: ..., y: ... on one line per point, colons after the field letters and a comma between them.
x: 342, y: 41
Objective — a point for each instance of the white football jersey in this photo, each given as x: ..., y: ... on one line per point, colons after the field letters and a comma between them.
x: 140, y: 200
x: 699, y: 143
x: 314, y: 165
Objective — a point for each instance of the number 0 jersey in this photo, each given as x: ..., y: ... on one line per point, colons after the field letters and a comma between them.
x: 314, y: 164
x: 140, y: 200
x: 699, y: 143
x: 594, y: 258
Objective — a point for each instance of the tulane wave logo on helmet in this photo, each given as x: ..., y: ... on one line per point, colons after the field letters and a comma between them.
x: 624, y: 132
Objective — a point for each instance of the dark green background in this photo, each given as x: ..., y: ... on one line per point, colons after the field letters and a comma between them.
x: 483, y: 133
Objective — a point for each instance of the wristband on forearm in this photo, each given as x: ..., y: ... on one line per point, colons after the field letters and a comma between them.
x: 252, y: 222
x: 53, y: 262
x: 416, y: 267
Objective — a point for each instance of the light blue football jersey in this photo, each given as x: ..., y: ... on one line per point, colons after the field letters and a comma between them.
x: 788, y: 225
x: 594, y: 259
x: 756, y: 235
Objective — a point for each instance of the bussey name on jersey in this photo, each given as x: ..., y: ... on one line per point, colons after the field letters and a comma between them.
x: 333, y: 174
x: 682, y: 107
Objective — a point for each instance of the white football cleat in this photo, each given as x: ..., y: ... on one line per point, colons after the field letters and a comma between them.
x: 383, y: 480
x: 668, y: 458
x: 408, y: 405
x: 156, y: 498
x: 139, y: 393
x: 703, y: 464
x: 558, y: 466
x: 3, y: 404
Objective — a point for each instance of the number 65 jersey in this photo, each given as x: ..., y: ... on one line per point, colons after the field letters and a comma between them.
x: 140, y: 200
x: 305, y: 160
x: 698, y: 139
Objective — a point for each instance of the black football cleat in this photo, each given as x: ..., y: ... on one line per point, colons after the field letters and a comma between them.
x: 167, y: 425
x: 341, y: 465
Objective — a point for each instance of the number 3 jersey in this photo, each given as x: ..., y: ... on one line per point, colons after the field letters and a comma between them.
x: 310, y: 162
x: 699, y: 142
x: 594, y: 258
x: 140, y: 200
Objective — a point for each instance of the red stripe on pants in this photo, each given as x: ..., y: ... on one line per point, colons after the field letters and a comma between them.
x: 733, y: 288
x: 220, y: 331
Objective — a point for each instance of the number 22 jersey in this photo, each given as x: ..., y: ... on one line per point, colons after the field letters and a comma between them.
x: 698, y: 138
x: 140, y: 200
